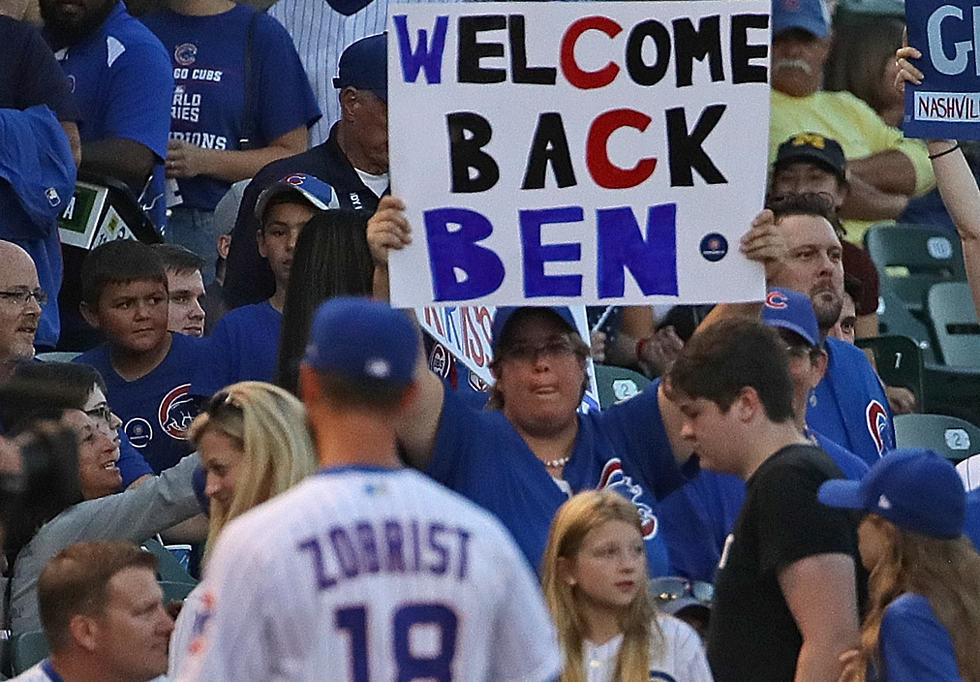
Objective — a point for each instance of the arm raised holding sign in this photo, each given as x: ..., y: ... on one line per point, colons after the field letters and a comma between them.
x: 957, y: 185
x: 521, y: 457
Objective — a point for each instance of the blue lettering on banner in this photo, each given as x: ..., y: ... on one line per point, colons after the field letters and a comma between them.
x: 536, y: 254
x: 621, y: 246
x: 461, y: 269
x: 424, y: 56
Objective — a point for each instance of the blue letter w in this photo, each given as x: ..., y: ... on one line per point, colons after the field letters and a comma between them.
x: 422, y: 57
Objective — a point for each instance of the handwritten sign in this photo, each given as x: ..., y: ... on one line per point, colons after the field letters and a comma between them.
x: 577, y: 153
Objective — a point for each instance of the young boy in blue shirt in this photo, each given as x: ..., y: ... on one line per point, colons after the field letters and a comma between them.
x: 147, y: 370
x: 245, y: 344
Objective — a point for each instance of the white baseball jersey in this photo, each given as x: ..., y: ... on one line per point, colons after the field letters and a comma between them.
x: 321, y: 34
x: 362, y: 574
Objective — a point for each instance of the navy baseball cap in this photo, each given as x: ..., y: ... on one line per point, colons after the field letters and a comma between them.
x: 915, y: 489
x: 318, y: 193
x: 503, y: 317
x: 813, y: 148
x: 364, y: 66
x: 809, y: 15
x: 362, y: 339
x: 793, y: 311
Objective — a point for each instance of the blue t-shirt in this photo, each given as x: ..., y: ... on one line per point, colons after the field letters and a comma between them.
x: 131, y: 463
x: 208, y: 61
x: 849, y: 406
x: 155, y: 409
x: 915, y: 646
x: 480, y: 455
x: 123, y: 85
x: 697, y: 519
x: 243, y: 347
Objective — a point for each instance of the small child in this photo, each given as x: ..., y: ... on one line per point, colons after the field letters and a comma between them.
x: 185, y: 286
x: 147, y: 369
x: 595, y: 583
x: 244, y: 345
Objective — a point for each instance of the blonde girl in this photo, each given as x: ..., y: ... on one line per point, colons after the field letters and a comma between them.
x: 595, y: 583
x: 923, y: 621
x: 254, y: 441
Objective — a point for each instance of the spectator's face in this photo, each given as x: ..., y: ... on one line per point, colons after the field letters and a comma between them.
x: 221, y: 460
x: 708, y: 430
x: 132, y: 314
x: 813, y: 265
x: 70, y: 20
x: 798, y: 57
x: 874, y: 542
x: 277, y: 239
x: 133, y: 632
x: 803, y: 177
x: 540, y: 376
x: 18, y: 320
x: 609, y: 569
x: 186, y: 313
x: 370, y: 131
x: 806, y: 373
x: 97, y: 455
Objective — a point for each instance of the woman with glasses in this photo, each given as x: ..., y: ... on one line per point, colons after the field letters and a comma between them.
x: 255, y: 442
x: 595, y: 583
x: 93, y: 509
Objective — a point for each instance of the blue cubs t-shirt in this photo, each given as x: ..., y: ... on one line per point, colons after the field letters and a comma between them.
x: 480, y: 455
x: 155, y: 409
x: 208, y: 61
x: 244, y: 346
x: 123, y: 84
x: 915, y: 646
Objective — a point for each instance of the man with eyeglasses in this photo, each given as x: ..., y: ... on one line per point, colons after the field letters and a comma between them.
x: 526, y: 454
x: 21, y: 299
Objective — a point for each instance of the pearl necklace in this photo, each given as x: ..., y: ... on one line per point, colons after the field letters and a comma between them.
x: 555, y: 463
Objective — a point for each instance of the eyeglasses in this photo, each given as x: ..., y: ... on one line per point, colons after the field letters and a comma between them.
x: 103, y: 412
x: 555, y: 347
x: 23, y: 296
x: 666, y: 590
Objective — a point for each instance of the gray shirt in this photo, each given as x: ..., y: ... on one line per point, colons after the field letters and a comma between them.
x: 133, y: 515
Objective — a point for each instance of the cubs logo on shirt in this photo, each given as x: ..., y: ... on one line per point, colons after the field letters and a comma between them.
x: 185, y: 54
x: 177, y: 411
x: 877, y: 419
x: 614, y: 478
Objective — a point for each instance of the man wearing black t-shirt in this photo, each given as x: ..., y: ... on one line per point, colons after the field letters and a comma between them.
x: 786, y: 589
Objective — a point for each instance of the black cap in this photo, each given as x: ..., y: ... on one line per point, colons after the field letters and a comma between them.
x: 813, y: 148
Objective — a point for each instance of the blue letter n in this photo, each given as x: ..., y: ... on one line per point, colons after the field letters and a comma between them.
x: 480, y: 270
x: 651, y: 261
x: 422, y: 57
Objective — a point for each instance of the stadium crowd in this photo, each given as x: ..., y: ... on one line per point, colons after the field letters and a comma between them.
x: 241, y: 386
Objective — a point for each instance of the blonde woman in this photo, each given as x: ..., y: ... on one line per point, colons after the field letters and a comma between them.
x: 254, y: 441
x: 595, y: 583
x: 923, y: 621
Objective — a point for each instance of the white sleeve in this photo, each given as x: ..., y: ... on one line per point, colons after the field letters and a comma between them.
x: 180, y: 638
x: 525, y: 646
x: 229, y: 642
x: 685, y: 650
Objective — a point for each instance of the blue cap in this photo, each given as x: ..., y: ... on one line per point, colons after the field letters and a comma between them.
x: 362, y: 339
x: 809, y: 15
x: 321, y: 195
x: 793, y: 311
x: 364, y: 66
x: 915, y: 489
x: 503, y: 316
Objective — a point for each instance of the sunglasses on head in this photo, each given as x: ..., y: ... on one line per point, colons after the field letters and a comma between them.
x: 666, y: 590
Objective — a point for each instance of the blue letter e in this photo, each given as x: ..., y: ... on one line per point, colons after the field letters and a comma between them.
x: 480, y: 270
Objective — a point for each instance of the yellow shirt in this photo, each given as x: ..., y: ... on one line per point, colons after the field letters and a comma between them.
x: 858, y: 129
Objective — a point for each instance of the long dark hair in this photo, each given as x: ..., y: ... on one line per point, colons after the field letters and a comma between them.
x: 331, y: 259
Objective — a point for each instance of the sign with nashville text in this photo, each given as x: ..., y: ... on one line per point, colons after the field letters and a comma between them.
x: 577, y: 153
x: 947, y: 103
